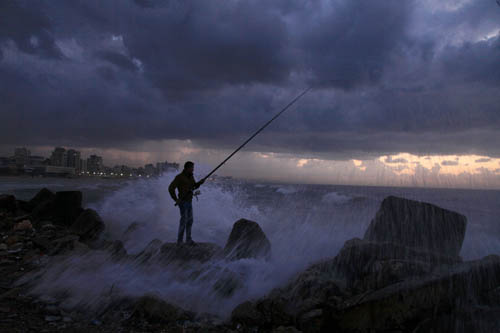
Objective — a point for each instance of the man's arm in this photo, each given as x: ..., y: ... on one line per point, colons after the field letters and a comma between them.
x: 198, y: 184
x: 172, y: 187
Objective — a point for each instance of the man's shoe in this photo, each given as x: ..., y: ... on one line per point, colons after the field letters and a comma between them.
x: 190, y: 242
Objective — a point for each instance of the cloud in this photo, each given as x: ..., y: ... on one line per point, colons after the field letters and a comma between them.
x: 389, y: 159
x: 482, y: 160
x: 388, y: 76
x: 449, y: 163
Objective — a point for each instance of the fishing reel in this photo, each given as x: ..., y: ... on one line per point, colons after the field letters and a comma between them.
x: 196, y: 194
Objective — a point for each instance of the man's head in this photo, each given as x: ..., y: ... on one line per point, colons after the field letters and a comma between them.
x: 189, y: 167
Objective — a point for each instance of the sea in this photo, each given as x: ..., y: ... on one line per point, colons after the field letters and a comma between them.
x: 304, y: 223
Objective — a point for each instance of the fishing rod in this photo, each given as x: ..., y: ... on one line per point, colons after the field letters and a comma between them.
x: 250, y: 138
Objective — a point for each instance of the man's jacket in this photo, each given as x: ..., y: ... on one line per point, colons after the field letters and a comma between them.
x: 185, y: 184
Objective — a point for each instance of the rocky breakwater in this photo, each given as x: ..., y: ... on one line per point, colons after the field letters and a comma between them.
x: 51, y: 229
x: 32, y: 233
x: 405, y: 275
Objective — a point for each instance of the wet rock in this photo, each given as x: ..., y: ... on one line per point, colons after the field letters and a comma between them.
x: 286, y: 329
x: 44, y: 195
x: 151, y: 250
x: 68, y: 206
x: 62, y: 245
x: 201, y: 252
x: 415, y: 303
x: 227, y: 282
x: 63, y: 209
x: 42, y: 243
x: 364, y: 265
x: 88, y: 225
x: 23, y: 225
x: 246, y: 314
x: 131, y: 230
x: 80, y: 248
x: 8, y: 203
x: 154, y: 310
x: 417, y: 224
x: 116, y: 249
x: 247, y: 240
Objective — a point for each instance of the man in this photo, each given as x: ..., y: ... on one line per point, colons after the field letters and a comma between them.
x: 185, y: 184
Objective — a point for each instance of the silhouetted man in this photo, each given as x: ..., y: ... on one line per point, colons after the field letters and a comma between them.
x: 185, y: 184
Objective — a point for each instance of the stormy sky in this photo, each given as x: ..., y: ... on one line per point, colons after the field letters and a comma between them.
x: 147, y: 80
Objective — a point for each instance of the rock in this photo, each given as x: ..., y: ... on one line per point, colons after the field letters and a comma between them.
x: 88, y: 225
x: 3, y: 247
x: 180, y: 254
x: 131, y: 230
x: 12, y: 239
x: 227, y: 282
x: 155, y: 310
x: 287, y: 329
x: 246, y: 314
x: 24, y: 225
x: 420, y: 225
x: 42, y: 243
x: 413, y: 304
x: 62, y: 245
x: 116, y: 249
x: 52, y: 318
x: 151, y: 250
x: 8, y: 203
x: 68, y: 206
x: 63, y: 209
x: 364, y: 265
x: 247, y: 240
x: 43, y: 195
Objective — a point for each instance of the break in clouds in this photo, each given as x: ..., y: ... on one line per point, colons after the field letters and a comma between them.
x: 389, y: 76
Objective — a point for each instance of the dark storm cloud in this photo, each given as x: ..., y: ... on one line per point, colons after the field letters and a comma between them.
x: 118, y: 59
x: 352, y: 42
x: 27, y: 28
x: 116, y: 73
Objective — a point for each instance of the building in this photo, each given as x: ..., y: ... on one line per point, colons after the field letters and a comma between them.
x: 21, y: 155
x: 94, y: 164
x: 149, y: 170
x: 59, y: 157
x: 73, y: 160
x: 35, y: 160
x: 162, y: 167
x: 83, y: 165
x: 51, y: 170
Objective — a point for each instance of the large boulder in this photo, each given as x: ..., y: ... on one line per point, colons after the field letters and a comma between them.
x: 460, y: 300
x: 88, y: 225
x: 43, y: 195
x: 8, y: 203
x: 247, y: 240
x: 364, y: 265
x: 63, y: 209
x: 419, y: 225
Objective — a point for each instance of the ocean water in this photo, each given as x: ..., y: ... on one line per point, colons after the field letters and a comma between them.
x: 304, y: 223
